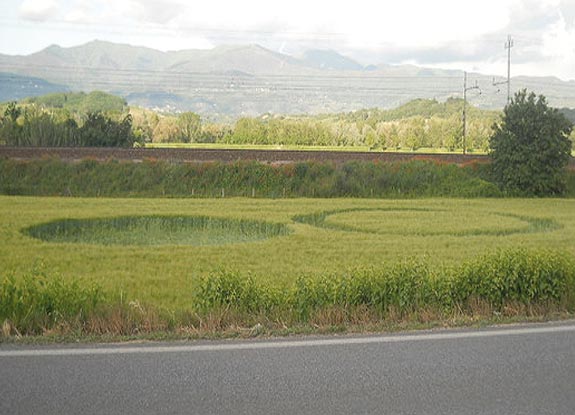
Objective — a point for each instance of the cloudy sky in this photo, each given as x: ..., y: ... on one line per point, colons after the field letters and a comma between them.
x: 458, y: 34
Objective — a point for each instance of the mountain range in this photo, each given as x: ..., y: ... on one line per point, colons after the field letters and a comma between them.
x: 250, y: 80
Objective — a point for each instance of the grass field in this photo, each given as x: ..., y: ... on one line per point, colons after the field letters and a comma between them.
x: 323, y: 235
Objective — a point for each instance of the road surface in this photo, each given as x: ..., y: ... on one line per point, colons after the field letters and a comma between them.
x: 507, y: 370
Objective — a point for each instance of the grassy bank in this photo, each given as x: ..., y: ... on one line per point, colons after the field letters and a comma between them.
x: 246, y: 179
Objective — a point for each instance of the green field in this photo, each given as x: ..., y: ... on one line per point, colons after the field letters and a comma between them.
x: 322, y: 235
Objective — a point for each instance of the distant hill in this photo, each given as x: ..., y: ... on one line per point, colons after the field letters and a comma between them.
x: 330, y: 59
x: 425, y: 108
x: 251, y: 80
x: 80, y: 102
x: 14, y: 87
x: 234, y: 62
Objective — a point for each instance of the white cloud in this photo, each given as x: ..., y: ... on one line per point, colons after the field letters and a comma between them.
x: 148, y: 11
x: 403, y: 23
x: 559, y: 49
x: 82, y: 11
x: 38, y: 10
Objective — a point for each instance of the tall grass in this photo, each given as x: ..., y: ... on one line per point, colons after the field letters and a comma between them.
x: 523, y: 277
x: 35, y: 303
x: 249, y: 179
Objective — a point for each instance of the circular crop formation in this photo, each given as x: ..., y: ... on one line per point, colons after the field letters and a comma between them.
x: 425, y: 222
x: 156, y: 230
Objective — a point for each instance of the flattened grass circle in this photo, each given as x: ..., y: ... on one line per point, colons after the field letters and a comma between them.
x: 156, y: 230
x: 425, y: 222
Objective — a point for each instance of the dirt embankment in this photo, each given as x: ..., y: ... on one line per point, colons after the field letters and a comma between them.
x: 183, y: 155
x: 226, y: 156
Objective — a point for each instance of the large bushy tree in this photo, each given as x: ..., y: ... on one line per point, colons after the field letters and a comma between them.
x: 530, y: 148
x: 100, y: 131
x: 33, y: 126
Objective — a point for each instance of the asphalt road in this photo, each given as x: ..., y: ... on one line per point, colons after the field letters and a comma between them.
x: 512, y: 370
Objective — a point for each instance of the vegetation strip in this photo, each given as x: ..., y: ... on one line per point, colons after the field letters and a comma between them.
x: 247, y: 179
x: 513, y: 281
x: 497, y: 279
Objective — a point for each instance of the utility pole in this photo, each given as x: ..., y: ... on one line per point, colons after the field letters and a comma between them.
x: 508, y: 45
x: 464, y: 117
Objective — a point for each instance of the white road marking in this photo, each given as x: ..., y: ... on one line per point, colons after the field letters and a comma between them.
x: 282, y: 344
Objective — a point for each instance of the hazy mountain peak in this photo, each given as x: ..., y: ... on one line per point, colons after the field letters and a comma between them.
x: 249, y: 79
x: 330, y: 59
x: 53, y: 47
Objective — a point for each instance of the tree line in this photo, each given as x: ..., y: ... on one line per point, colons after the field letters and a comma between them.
x: 77, y: 119
x: 418, y: 124
x: 34, y: 126
x: 410, y: 134
x: 99, y: 119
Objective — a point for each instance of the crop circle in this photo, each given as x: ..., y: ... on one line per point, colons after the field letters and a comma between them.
x: 156, y: 230
x: 425, y: 222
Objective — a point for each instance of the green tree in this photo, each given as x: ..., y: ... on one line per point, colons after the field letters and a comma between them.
x: 190, y: 126
x: 249, y: 131
x: 166, y: 130
x: 415, y: 133
x: 13, y: 111
x: 101, y: 131
x: 10, y: 129
x: 40, y: 129
x: 530, y: 148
